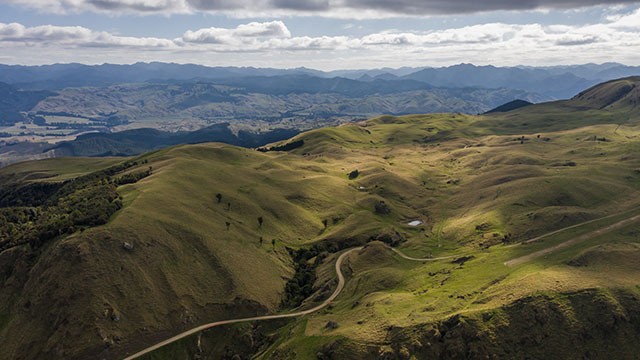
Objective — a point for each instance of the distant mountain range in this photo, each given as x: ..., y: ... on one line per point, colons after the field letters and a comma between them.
x: 552, y: 82
x: 58, y: 103
x: 300, y: 98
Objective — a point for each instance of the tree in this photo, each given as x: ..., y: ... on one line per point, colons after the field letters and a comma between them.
x: 219, y: 197
x: 261, y: 240
x: 273, y: 243
x: 228, y: 206
x: 228, y: 224
x: 382, y: 208
x: 325, y: 222
x: 260, y: 220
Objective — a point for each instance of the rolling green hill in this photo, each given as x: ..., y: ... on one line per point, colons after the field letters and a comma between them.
x: 210, y: 232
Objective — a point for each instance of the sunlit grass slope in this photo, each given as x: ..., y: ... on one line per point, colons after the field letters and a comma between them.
x: 479, y: 184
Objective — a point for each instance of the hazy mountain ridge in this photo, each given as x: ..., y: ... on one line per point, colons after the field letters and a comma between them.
x: 273, y: 99
x: 133, y: 142
x: 13, y: 101
x: 556, y: 81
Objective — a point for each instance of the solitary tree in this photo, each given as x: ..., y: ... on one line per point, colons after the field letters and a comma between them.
x: 228, y: 206
x: 273, y: 243
x: 261, y: 240
x: 324, y: 222
x: 228, y: 224
x: 260, y: 220
x: 219, y: 197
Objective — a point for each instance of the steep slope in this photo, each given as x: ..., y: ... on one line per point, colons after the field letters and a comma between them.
x: 13, y: 101
x: 613, y: 102
x: 175, y: 254
x: 623, y: 95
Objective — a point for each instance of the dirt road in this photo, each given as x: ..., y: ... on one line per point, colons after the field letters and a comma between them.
x: 601, y: 231
x: 324, y: 304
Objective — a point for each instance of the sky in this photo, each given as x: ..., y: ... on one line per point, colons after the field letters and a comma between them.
x: 320, y: 34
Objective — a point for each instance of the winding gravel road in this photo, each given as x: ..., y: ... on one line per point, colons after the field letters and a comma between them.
x: 341, y: 280
x: 335, y: 294
x: 534, y: 255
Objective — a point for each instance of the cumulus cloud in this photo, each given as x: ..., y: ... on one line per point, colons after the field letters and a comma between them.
x: 617, y: 38
x: 18, y: 32
x: 73, y: 36
x: 245, y: 34
x: 330, y: 8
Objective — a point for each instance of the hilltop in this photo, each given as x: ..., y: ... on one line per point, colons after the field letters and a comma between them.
x: 511, y: 105
x: 198, y: 233
x: 623, y: 95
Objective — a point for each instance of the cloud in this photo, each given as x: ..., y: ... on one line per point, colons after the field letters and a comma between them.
x: 630, y: 21
x: 217, y: 5
x: 241, y: 35
x: 47, y: 33
x: 329, y: 8
x: 142, y: 6
x: 440, y: 7
x: 574, y: 40
x: 309, y: 5
x: 78, y: 36
x: 617, y: 38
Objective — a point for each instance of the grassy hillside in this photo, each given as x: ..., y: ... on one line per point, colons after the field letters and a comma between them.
x: 187, y: 247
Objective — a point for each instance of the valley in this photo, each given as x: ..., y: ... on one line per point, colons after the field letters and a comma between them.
x: 529, y: 215
x: 43, y: 108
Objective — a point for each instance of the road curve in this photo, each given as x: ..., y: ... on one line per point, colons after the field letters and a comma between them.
x: 419, y: 259
x: 589, y: 235
x: 341, y: 280
x: 182, y: 335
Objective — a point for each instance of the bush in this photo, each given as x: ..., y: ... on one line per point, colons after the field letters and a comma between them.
x: 382, y: 208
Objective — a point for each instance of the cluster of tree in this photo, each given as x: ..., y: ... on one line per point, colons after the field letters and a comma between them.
x: 38, y: 212
x: 300, y: 286
x: 286, y: 147
x: 133, y: 177
x: 73, y: 207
